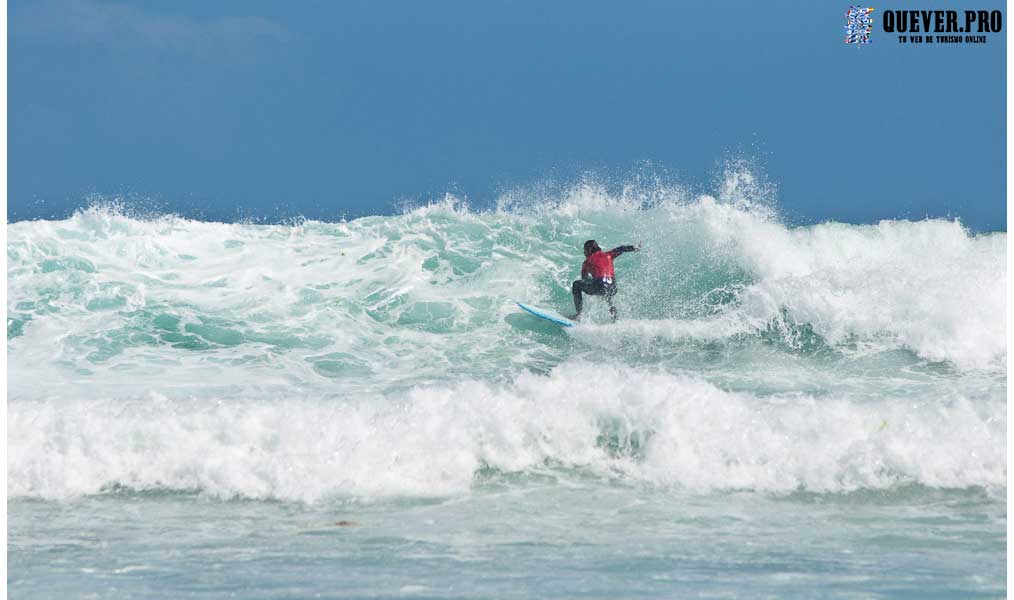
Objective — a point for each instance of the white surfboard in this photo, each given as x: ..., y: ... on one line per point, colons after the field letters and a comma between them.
x: 549, y: 315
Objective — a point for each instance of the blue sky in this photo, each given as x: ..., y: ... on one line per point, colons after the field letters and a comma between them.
x: 230, y: 110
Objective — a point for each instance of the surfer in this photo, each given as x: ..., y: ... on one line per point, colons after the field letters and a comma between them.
x: 597, y: 275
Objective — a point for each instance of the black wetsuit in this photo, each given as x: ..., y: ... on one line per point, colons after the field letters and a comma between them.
x: 598, y: 278
x: 604, y: 286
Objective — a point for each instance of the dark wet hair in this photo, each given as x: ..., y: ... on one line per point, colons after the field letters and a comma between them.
x: 593, y: 245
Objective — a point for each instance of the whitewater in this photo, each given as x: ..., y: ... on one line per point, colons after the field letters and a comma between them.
x: 793, y: 410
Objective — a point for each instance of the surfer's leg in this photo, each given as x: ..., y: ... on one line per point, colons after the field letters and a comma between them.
x: 595, y: 287
x: 576, y: 290
x: 610, y: 291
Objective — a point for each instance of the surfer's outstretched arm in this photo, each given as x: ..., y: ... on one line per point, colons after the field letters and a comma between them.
x: 621, y: 249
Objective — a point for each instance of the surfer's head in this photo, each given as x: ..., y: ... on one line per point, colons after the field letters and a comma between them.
x: 591, y: 247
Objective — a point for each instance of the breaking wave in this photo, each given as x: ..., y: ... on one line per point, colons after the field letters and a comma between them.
x: 385, y: 356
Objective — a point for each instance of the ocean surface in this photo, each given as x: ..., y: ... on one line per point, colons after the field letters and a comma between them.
x: 359, y: 409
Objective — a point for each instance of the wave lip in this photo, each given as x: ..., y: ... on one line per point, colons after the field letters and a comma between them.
x: 929, y: 285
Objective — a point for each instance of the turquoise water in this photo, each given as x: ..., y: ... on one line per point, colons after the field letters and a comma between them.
x: 359, y: 408
x: 545, y: 538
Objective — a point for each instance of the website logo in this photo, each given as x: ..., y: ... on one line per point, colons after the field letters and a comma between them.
x: 924, y: 27
x: 858, y: 25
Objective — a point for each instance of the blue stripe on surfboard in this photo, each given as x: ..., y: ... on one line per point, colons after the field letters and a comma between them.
x: 547, y: 315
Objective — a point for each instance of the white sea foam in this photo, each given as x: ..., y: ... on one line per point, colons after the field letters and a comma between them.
x: 927, y: 286
x: 644, y: 426
x: 93, y: 285
x: 384, y: 355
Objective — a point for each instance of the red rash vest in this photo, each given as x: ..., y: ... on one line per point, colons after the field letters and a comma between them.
x: 599, y: 265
